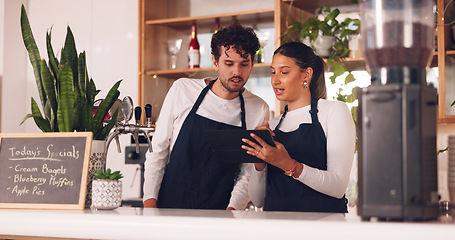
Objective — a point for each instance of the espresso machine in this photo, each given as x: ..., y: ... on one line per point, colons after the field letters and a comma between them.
x: 397, y: 114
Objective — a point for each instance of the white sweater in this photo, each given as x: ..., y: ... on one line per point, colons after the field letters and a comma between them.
x: 177, y: 104
x: 339, y: 129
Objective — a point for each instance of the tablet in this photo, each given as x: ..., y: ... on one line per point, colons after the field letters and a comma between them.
x: 227, y: 144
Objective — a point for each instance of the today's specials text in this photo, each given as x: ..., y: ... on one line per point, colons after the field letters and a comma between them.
x: 41, y: 170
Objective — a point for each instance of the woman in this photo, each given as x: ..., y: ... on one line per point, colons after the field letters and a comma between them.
x: 309, y: 168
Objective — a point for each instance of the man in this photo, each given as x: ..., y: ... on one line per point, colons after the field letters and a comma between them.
x: 182, y: 172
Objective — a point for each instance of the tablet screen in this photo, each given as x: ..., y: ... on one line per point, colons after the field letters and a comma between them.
x: 227, y: 144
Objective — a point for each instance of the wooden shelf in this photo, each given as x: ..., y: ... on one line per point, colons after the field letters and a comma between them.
x: 185, y: 22
x: 259, y: 68
x: 312, y: 6
x: 178, y: 73
x: 446, y: 52
x: 355, y: 64
x: 434, y: 60
x: 447, y: 119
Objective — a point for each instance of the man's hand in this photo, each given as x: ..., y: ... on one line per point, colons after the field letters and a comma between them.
x: 150, y: 203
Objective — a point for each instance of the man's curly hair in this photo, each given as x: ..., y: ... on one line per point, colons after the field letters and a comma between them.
x: 243, y: 39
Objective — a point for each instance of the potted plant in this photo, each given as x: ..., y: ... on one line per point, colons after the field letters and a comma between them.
x: 324, y: 26
x: 107, y: 189
x: 67, y: 95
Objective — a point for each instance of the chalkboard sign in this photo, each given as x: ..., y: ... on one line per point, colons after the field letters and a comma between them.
x: 44, y: 170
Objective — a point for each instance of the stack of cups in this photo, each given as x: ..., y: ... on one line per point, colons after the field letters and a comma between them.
x: 451, y: 172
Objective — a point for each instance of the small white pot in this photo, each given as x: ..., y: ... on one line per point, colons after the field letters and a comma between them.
x: 323, y: 45
x: 106, y: 193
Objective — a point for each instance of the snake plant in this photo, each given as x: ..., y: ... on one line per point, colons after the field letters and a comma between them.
x: 66, y: 92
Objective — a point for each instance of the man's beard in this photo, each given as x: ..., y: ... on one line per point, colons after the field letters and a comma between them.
x: 227, y: 87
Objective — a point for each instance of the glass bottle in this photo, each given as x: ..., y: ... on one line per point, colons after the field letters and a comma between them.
x: 194, y: 55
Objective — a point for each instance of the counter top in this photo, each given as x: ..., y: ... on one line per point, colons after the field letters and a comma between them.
x: 140, y: 223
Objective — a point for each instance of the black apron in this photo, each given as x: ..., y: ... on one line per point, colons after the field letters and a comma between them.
x: 307, y: 145
x: 194, y: 179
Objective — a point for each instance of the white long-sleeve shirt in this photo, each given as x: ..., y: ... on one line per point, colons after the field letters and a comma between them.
x: 339, y: 129
x: 177, y: 105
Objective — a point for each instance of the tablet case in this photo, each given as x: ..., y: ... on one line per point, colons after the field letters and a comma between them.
x: 227, y: 144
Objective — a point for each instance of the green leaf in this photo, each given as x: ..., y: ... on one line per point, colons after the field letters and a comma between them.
x: 107, y: 173
x: 66, y: 97
x: 82, y: 73
x: 354, y: 94
x: 51, y: 116
x: 350, y: 98
x: 295, y: 26
x: 332, y: 15
x: 86, y: 118
x: 91, y: 92
x: 349, y: 78
x: 33, y: 52
x: 53, y: 62
x: 354, y: 113
x: 27, y: 117
x: 106, y: 129
x: 116, y: 175
x: 102, y: 110
x: 49, y: 85
x: 338, y: 69
x: 99, y: 174
x: 332, y: 79
x: 42, y: 123
x: 69, y: 54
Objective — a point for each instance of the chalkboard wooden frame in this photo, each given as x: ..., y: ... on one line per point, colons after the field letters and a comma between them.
x: 81, y: 142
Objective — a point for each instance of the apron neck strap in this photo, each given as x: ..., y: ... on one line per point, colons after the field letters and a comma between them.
x: 313, y: 111
x: 282, y: 117
x: 204, y: 92
x: 242, y: 110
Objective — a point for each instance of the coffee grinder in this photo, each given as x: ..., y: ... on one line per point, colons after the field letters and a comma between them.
x: 397, y: 113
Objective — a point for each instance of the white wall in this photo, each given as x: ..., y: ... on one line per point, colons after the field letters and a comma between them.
x: 106, y: 29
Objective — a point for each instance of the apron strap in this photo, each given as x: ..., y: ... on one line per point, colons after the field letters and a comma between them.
x: 282, y: 117
x: 242, y: 110
x: 313, y: 111
x: 204, y: 92
x: 201, y: 97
